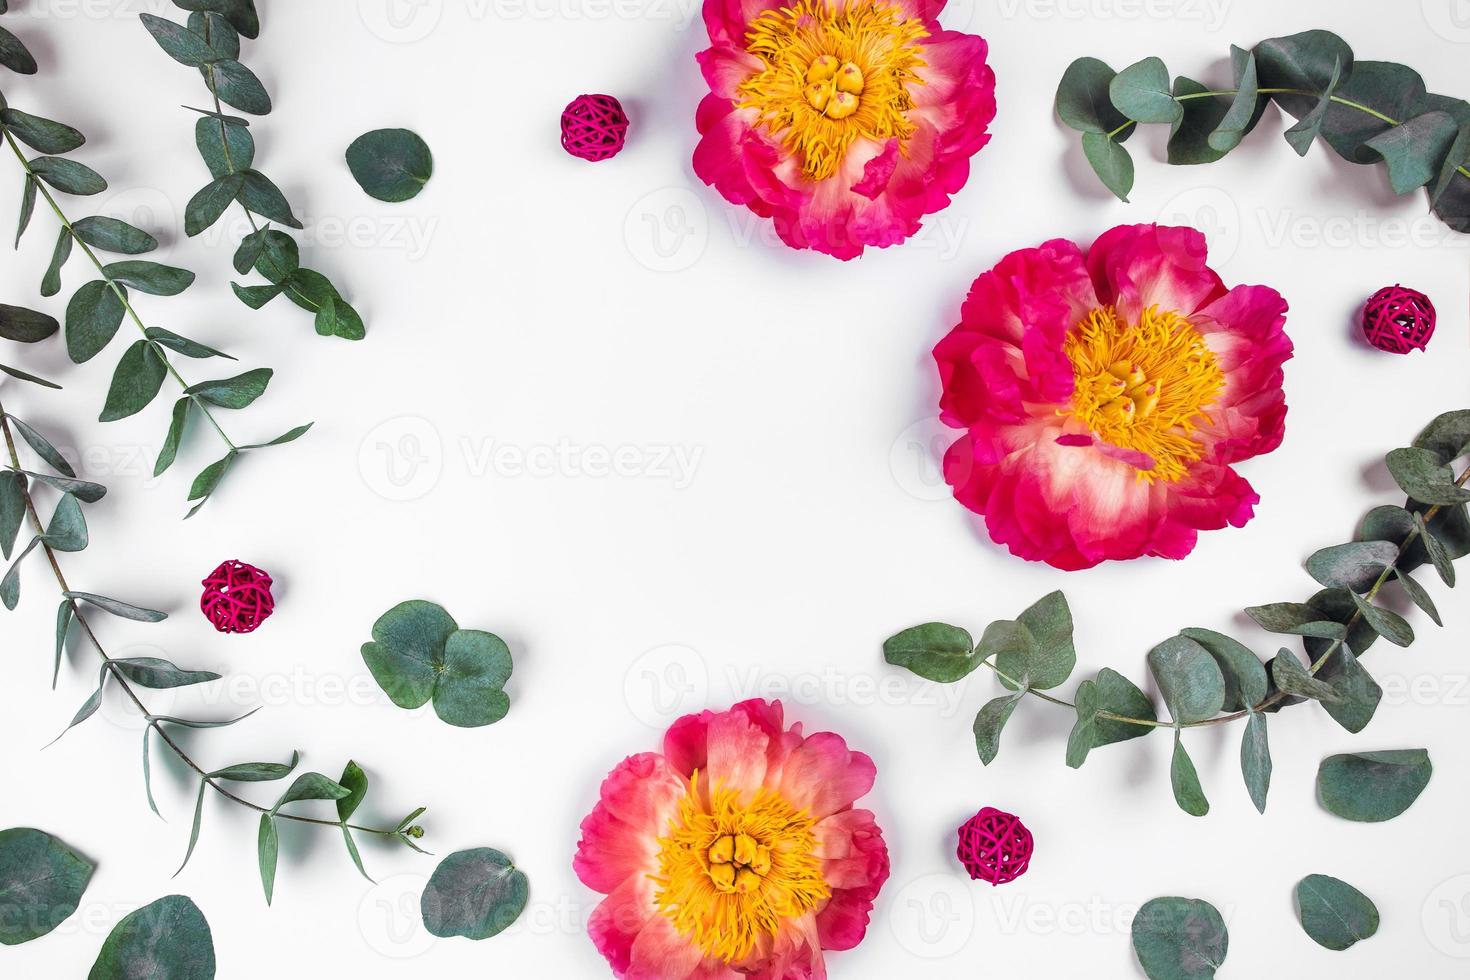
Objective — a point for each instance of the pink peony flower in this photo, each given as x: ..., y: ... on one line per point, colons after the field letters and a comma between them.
x: 843, y: 121
x: 735, y: 853
x: 1105, y: 397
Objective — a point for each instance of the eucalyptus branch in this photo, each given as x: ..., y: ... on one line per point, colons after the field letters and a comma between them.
x: 97, y: 310
x: 67, y: 532
x: 210, y: 42
x: 1208, y: 679
x: 1372, y: 114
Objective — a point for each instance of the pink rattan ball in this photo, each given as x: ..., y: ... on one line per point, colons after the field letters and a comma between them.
x: 593, y: 127
x: 1398, y: 320
x: 237, y: 597
x: 995, y: 847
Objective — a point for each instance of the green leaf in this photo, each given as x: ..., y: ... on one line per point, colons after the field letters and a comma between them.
x: 1422, y: 476
x: 1371, y: 787
x: 41, y: 883
x: 23, y: 376
x: 167, y: 940
x: 194, y: 828
x: 1141, y: 92
x: 313, y: 291
x: 1357, y: 692
x: 1050, y: 623
x: 1443, y: 566
x: 1292, y: 678
x: 356, y: 782
x: 281, y: 440
x: 476, y: 894
x: 468, y: 692
x: 207, y: 206
x: 27, y: 207
x: 1185, y: 781
x: 256, y: 297
x: 89, y: 707
x: 1390, y: 91
x: 67, y: 531
x: 989, y: 723
x: 68, y: 176
x: 1179, y: 939
x: 191, y: 723
x: 1188, y: 678
x: 1255, y: 760
x: 1238, y: 120
x: 182, y: 345
x: 236, y: 392
x: 25, y: 326
x: 353, y: 852
x: 208, y: 479
x: 12, y: 509
x: 1418, y: 595
x: 225, y: 148
x: 1309, y: 127
x: 10, y: 584
x: 265, y: 199
x: 935, y: 651
x: 1338, y: 606
x: 217, y: 32
x: 92, y: 319
x: 1083, y: 102
x: 41, y: 135
x: 267, y: 849
x: 87, y: 493
x: 408, y: 649
x: 1189, y: 138
x: 240, y: 13
x: 1355, y: 566
x: 1296, y: 618
x: 42, y: 447
x: 391, y: 165
x: 122, y: 610
x: 1335, y: 914
x: 112, y: 235
x: 135, y: 383
x: 312, y: 786
x: 1111, y: 163
x: 160, y: 675
x: 1415, y: 150
x: 1458, y: 157
x: 257, y: 772
x: 326, y: 317
x: 1309, y: 60
x: 1448, y: 436
x: 151, y: 277
x: 1245, y: 676
x: 1385, y: 622
x: 1014, y: 651
x: 170, y: 450
x: 180, y: 43
x: 13, y: 54
x: 1113, y: 693
x: 237, y: 86
x: 51, y: 281
x: 148, y: 773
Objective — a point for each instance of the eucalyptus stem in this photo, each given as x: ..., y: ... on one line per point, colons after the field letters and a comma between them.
x: 152, y: 721
x: 1274, y: 699
x: 118, y: 291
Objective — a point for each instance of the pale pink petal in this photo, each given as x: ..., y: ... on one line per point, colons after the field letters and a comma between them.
x: 823, y: 776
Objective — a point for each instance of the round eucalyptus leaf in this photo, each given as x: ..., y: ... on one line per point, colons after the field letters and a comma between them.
x: 469, y: 691
x: 1189, y: 679
x: 475, y: 894
x: 167, y: 940
x: 41, y: 882
x: 1334, y: 913
x: 391, y: 165
x: 407, y: 651
x: 1180, y: 939
x: 1371, y: 787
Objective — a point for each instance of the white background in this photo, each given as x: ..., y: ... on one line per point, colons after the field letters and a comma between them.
x: 529, y: 303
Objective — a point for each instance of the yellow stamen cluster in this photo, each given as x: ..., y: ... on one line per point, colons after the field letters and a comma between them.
x: 732, y: 869
x: 833, y: 77
x: 1144, y: 386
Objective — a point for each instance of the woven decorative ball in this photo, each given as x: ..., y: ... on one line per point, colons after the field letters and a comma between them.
x: 995, y: 846
x: 593, y: 127
x: 1398, y: 320
x: 237, y: 597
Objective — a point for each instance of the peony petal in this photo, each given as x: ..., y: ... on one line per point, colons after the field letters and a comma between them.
x: 620, y: 835
x: 1135, y: 267
x: 823, y: 776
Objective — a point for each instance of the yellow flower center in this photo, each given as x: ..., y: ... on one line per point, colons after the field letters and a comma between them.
x: 832, y: 78
x: 732, y: 871
x: 1144, y: 386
